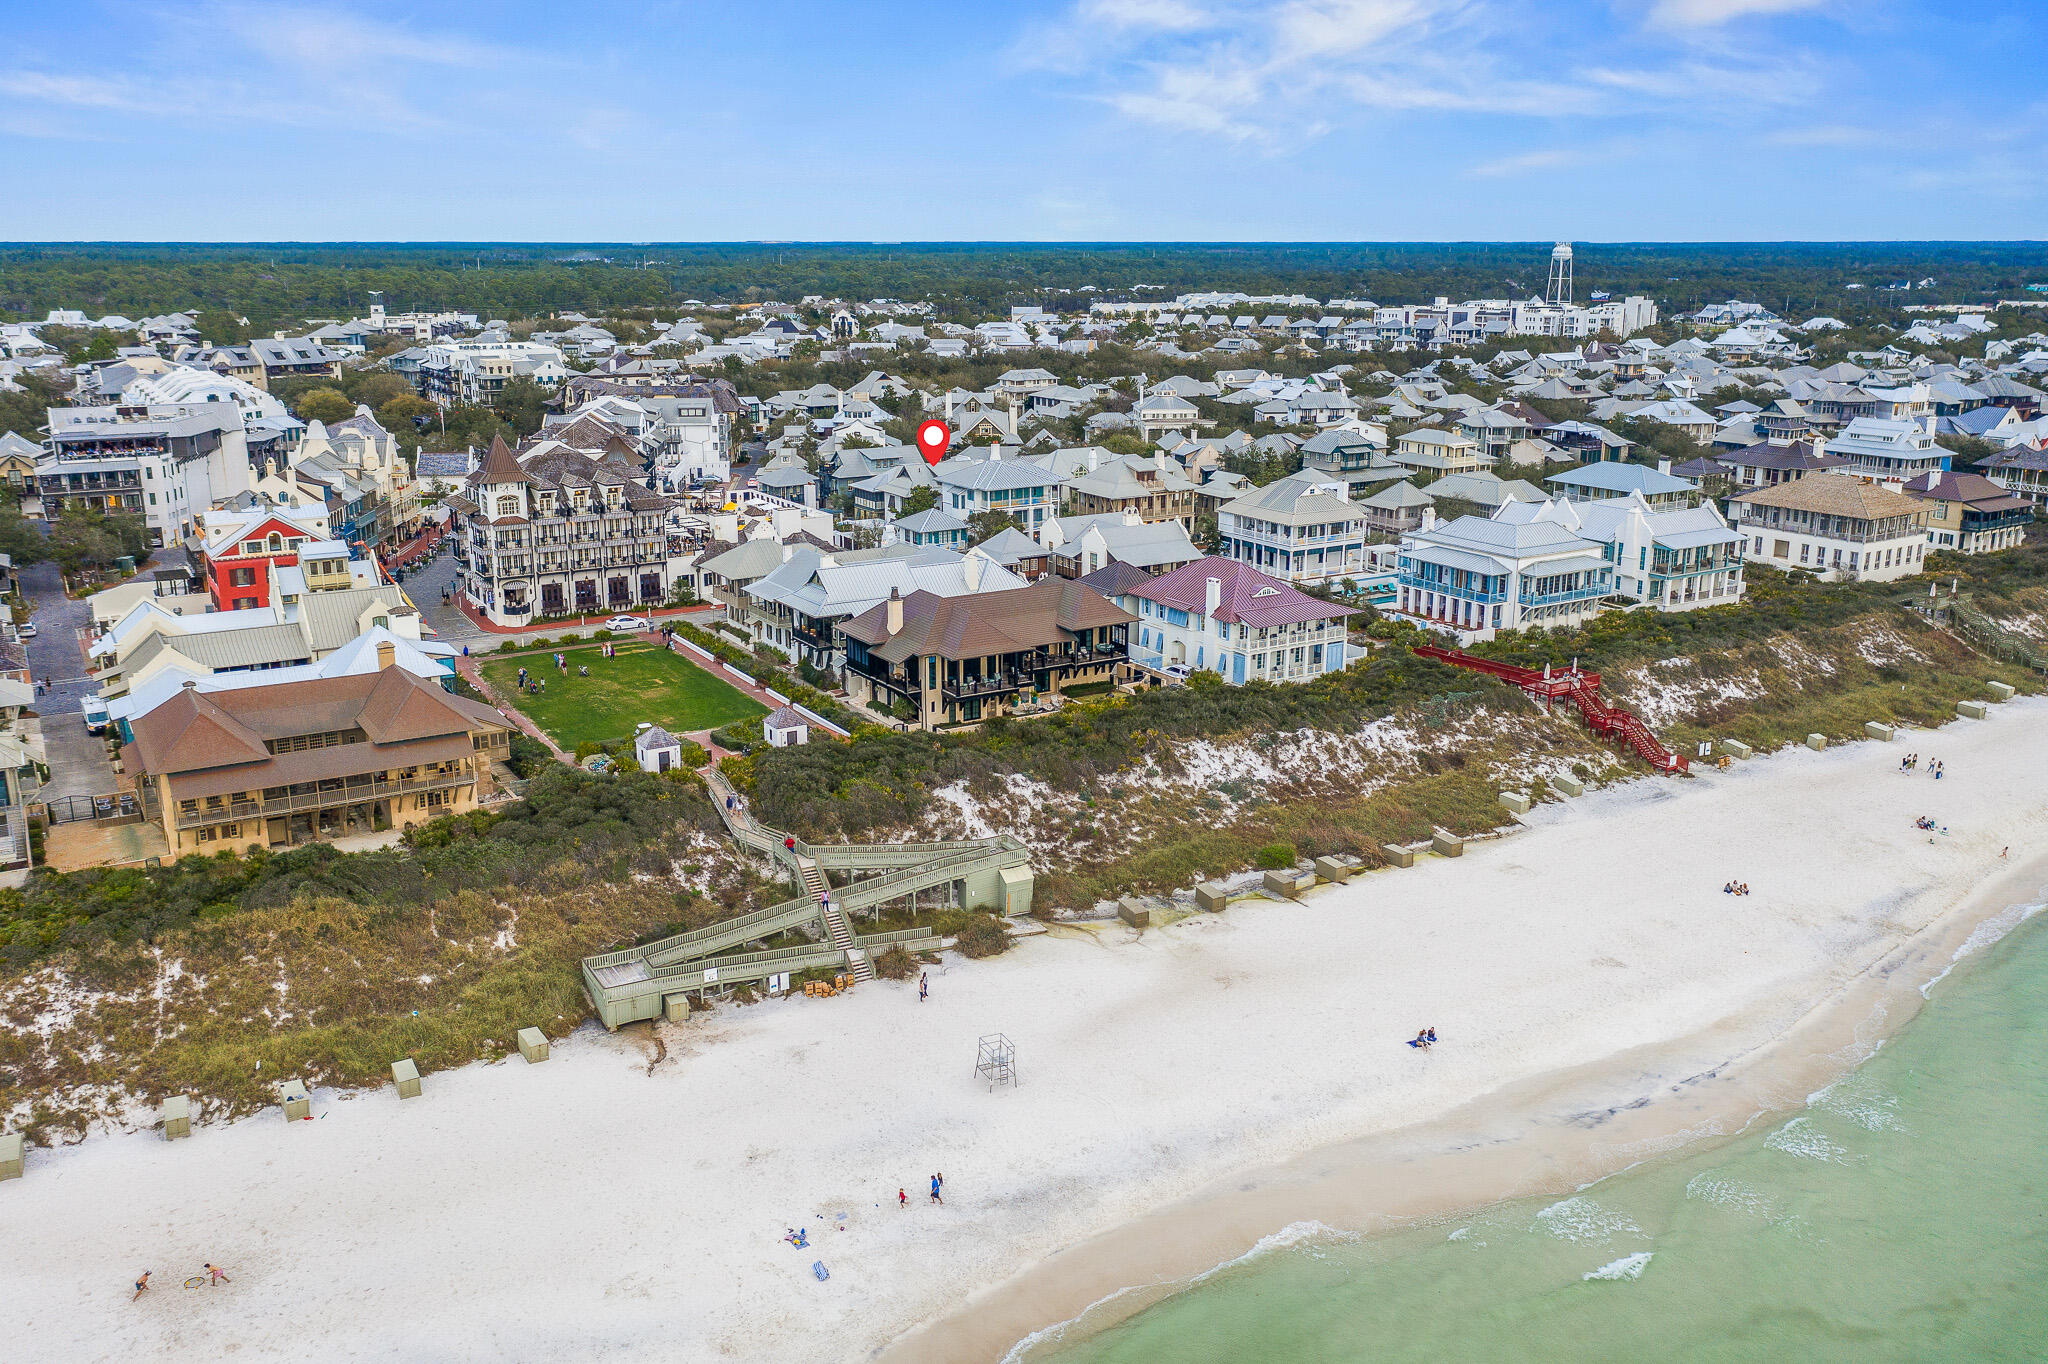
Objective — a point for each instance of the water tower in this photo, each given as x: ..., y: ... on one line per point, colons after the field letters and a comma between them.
x: 1560, y: 290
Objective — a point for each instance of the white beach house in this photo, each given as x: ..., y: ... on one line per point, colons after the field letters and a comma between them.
x: 1475, y: 576
x: 1301, y: 528
x: 1672, y: 558
x: 1235, y: 621
x: 1836, y: 526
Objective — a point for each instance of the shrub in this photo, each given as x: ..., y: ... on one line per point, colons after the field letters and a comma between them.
x: 895, y: 964
x: 1277, y: 856
x: 983, y: 936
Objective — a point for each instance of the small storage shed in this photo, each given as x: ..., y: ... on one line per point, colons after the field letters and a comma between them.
x: 786, y: 728
x: 657, y: 750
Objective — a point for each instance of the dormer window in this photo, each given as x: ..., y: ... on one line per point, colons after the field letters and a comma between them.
x: 508, y: 505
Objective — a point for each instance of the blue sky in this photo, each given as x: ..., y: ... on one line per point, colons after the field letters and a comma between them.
x: 1079, y: 120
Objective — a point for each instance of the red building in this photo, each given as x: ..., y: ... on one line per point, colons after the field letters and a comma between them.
x: 244, y: 550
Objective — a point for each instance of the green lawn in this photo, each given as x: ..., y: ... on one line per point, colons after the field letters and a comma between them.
x: 642, y: 684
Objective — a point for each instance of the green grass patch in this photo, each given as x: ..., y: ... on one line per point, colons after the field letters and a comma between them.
x: 640, y: 684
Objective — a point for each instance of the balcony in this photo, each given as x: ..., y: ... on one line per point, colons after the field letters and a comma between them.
x: 347, y: 791
x: 1421, y: 585
x: 1041, y: 659
x: 1569, y: 595
x: 968, y: 687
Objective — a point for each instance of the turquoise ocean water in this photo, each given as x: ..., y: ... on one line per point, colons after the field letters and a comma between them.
x: 1902, y: 1215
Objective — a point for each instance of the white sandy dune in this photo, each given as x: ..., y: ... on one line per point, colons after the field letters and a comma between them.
x: 585, y: 1209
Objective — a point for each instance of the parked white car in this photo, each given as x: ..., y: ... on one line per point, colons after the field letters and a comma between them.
x: 626, y: 624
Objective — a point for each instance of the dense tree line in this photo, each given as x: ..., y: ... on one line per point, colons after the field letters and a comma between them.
x: 279, y: 284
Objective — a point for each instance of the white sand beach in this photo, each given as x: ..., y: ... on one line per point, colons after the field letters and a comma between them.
x: 586, y: 1208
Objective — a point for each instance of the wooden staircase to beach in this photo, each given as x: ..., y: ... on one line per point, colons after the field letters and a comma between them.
x: 1582, y: 689
x: 836, y: 927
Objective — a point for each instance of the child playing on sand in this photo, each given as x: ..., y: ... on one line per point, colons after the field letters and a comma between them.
x: 216, y: 1274
x: 902, y: 1199
x: 141, y: 1285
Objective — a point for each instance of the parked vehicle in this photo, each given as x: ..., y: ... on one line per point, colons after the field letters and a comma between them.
x: 27, y: 629
x: 626, y: 624
x: 95, y: 715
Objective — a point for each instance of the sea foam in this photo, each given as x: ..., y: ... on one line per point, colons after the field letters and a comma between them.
x: 1581, y: 1219
x: 1627, y: 1267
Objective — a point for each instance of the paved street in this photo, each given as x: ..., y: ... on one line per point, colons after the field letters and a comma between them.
x: 78, y: 760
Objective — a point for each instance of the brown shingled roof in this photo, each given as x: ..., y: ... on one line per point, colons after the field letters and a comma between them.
x: 1046, y: 613
x: 397, y: 711
x: 499, y: 466
x: 1836, y: 495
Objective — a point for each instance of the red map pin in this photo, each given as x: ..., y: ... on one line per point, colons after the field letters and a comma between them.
x: 932, y: 439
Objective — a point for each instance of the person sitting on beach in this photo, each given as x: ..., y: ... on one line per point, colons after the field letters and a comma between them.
x: 1431, y: 1035
x: 1728, y: 889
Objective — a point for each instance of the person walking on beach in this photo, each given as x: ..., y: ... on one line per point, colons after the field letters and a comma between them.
x: 216, y: 1275
x: 141, y: 1285
x: 935, y: 1192
x: 902, y: 1201
x: 923, y: 985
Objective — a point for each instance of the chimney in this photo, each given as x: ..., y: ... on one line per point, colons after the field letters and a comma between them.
x: 1212, y: 595
x: 892, y: 618
x: 949, y: 407
x: 971, y: 570
x: 387, y: 654
x: 1663, y: 466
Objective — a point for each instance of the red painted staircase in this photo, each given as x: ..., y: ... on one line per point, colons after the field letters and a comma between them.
x: 1582, y: 689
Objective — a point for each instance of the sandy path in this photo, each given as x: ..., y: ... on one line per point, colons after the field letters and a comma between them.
x: 585, y: 1209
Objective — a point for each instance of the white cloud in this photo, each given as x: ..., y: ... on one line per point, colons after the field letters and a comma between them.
x: 301, y: 38
x: 1170, y: 16
x: 1713, y: 13
x: 77, y: 92
x: 1280, y: 73
x: 1551, y: 158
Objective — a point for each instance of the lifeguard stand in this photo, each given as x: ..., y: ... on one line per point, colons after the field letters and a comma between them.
x: 997, y: 1062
